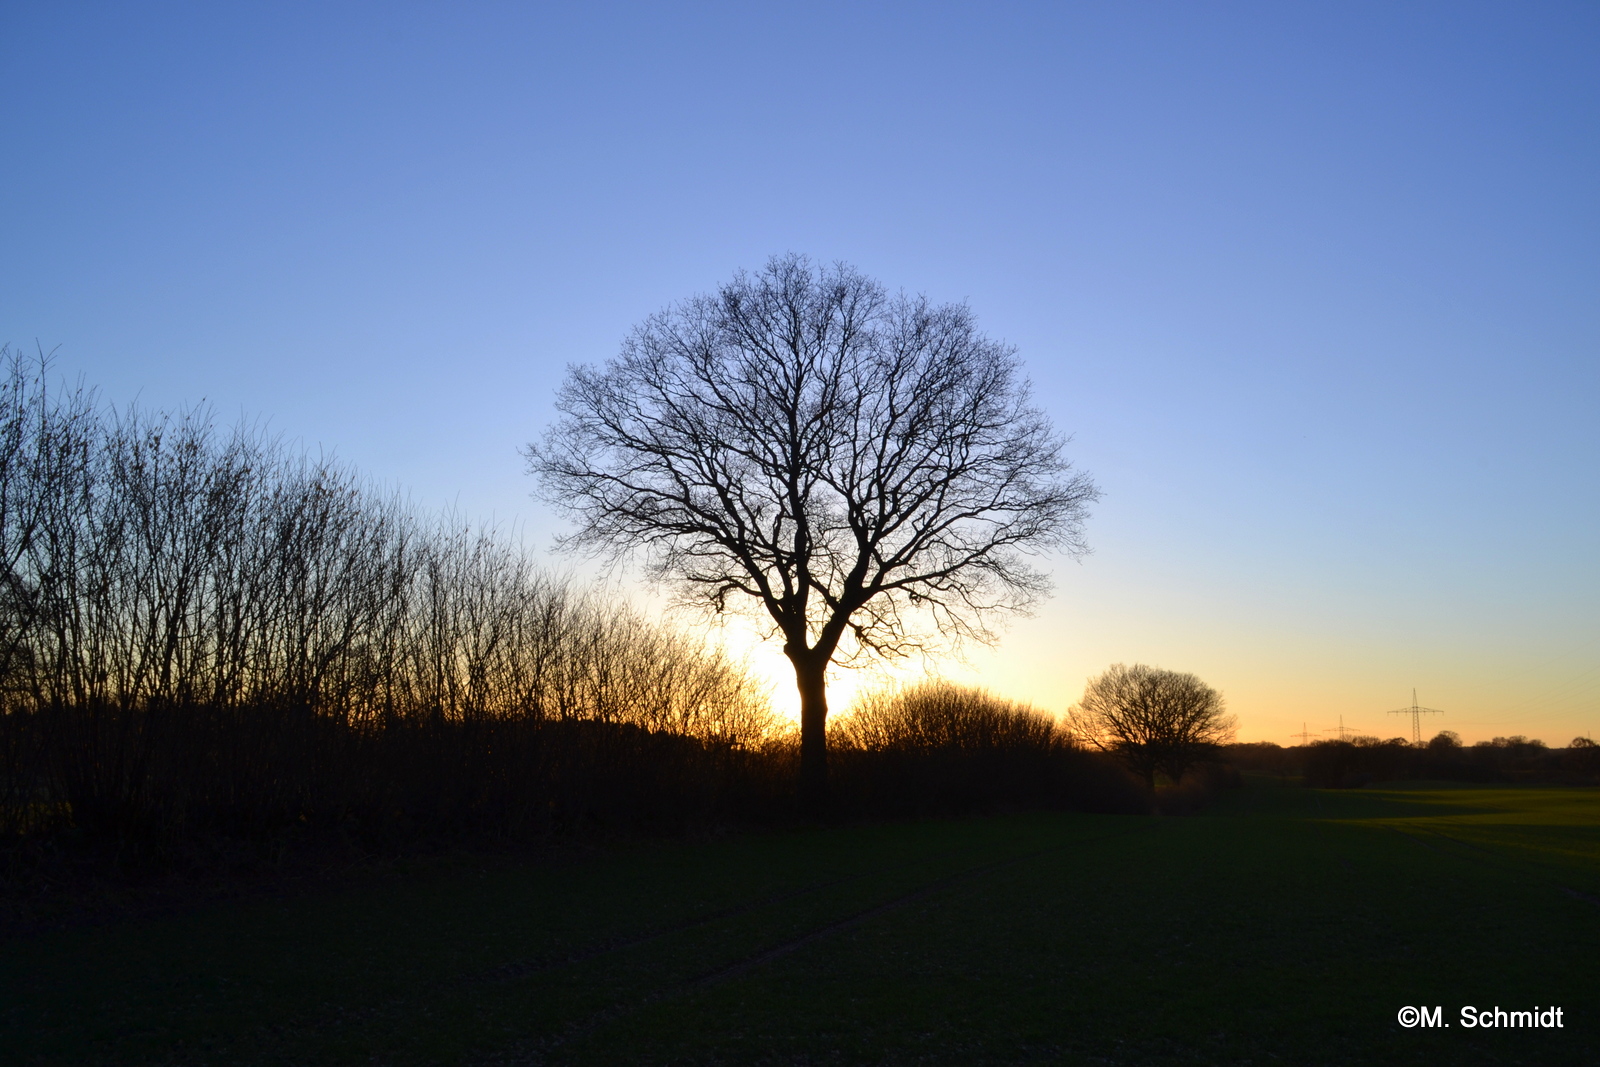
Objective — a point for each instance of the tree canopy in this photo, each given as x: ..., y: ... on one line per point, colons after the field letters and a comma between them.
x: 1152, y: 719
x: 865, y: 469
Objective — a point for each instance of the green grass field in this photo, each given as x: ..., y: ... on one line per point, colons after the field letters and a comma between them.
x: 1285, y: 926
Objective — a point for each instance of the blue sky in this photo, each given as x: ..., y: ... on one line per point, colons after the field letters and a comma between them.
x: 1315, y: 287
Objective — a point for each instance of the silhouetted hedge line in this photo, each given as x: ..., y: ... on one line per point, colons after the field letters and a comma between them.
x: 259, y: 773
x: 1365, y: 760
x: 207, y: 635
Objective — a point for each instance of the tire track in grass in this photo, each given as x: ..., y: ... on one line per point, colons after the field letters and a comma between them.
x: 779, y: 951
x: 1580, y: 896
x: 524, y: 968
x: 536, y: 1051
x: 506, y: 972
x: 1484, y: 854
x: 514, y: 970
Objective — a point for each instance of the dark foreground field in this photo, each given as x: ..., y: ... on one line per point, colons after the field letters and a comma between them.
x: 1285, y: 926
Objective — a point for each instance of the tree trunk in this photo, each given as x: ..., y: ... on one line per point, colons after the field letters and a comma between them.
x: 810, y: 672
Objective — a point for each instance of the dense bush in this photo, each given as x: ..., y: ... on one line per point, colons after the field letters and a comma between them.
x: 1198, y: 788
x: 939, y: 748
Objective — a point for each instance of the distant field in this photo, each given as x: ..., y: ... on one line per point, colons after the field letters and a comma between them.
x: 1285, y: 926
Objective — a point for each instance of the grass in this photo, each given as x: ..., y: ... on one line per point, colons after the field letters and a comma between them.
x: 1286, y: 925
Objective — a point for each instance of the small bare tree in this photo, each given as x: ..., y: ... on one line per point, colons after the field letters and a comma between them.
x: 1151, y: 719
x: 866, y: 468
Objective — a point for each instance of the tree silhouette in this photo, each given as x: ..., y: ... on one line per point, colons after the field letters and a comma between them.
x: 866, y: 468
x: 1152, y: 719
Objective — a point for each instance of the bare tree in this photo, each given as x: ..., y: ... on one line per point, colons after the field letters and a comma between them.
x: 866, y: 468
x: 1153, y: 720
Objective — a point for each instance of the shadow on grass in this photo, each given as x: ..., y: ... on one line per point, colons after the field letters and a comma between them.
x: 1288, y: 798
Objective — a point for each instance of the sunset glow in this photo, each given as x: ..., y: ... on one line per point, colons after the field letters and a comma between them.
x: 1311, y: 288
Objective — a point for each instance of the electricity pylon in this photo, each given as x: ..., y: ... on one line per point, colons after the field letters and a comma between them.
x: 1304, y: 735
x: 1343, y: 731
x: 1416, y: 714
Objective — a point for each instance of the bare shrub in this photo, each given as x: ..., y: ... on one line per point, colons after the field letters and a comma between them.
x: 940, y: 714
x: 940, y: 748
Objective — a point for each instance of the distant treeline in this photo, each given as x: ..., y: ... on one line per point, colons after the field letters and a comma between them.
x: 1364, y: 760
x: 207, y: 633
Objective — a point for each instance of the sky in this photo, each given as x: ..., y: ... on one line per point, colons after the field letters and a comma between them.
x: 1315, y: 288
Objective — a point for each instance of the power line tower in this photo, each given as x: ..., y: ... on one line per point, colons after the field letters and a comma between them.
x: 1416, y: 714
x: 1343, y: 731
x: 1304, y: 735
